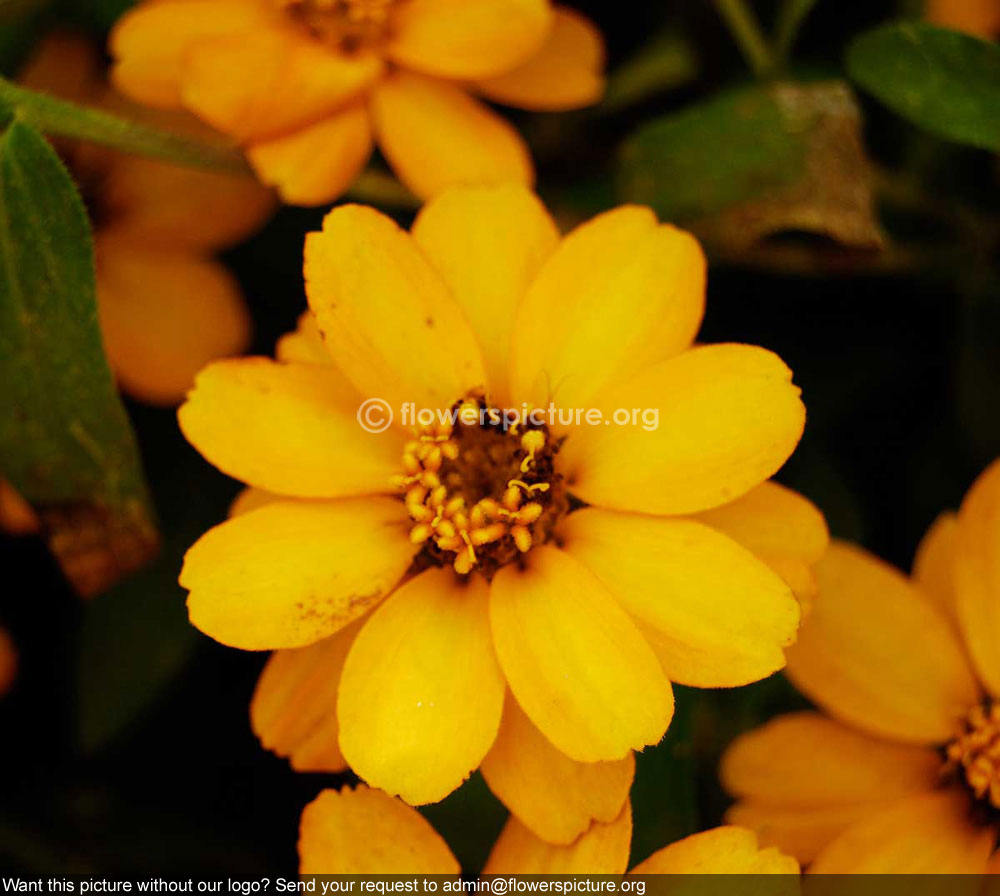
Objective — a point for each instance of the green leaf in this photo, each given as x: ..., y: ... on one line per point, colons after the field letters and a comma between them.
x: 61, y: 118
x: 758, y: 161
x: 104, y: 13
x: 944, y: 81
x: 65, y: 440
x: 664, y: 795
x: 134, y: 641
x: 666, y: 62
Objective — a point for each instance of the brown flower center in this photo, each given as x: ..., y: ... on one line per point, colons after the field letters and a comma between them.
x: 347, y: 25
x: 974, y: 753
x: 480, y: 489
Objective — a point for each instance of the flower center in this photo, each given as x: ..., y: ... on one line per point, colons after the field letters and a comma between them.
x: 974, y: 753
x: 347, y: 25
x: 480, y: 490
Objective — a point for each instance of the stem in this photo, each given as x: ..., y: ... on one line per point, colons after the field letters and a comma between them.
x: 61, y: 118
x: 793, y: 14
x: 379, y: 188
x: 747, y: 33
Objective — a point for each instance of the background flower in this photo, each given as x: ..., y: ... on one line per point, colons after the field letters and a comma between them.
x: 905, y: 778
x: 308, y: 87
x: 167, y: 307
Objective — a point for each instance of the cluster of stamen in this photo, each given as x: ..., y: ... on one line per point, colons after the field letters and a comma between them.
x: 974, y: 752
x: 479, y: 494
x: 345, y: 24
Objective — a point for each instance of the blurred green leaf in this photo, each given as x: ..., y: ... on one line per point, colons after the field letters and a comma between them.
x: 104, y: 13
x: 944, y: 81
x: 755, y: 162
x: 134, y: 641
x: 664, y: 795
x: 667, y: 61
x: 61, y: 118
x: 470, y: 820
x: 65, y: 440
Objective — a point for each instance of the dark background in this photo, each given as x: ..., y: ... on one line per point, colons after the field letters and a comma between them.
x: 126, y: 746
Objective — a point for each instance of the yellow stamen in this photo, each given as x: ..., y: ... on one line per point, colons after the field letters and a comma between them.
x: 975, y: 751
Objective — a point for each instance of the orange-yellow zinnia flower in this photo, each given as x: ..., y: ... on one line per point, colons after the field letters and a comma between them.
x: 166, y: 307
x: 307, y: 86
x: 978, y: 17
x: 905, y: 776
x: 582, y: 567
x: 363, y: 831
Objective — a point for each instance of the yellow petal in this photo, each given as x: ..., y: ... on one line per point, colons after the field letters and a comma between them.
x: 603, y: 849
x: 364, y: 831
x: 934, y: 565
x: 977, y: 575
x: 287, y: 428
x: 714, y: 614
x: 314, y: 165
x: 422, y: 693
x: 725, y: 850
x: 782, y: 528
x: 799, y: 832
x: 576, y: 663
x: 386, y: 316
x: 305, y: 344
x: 467, y: 38
x: 772, y: 520
x: 805, y: 759
x: 571, y: 339
x: 488, y: 244
x: 294, y: 572
x: 551, y: 795
x: 165, y: 314
x: 436, y: 136
x: 876, y: 654
x: 566, y: 73
x: 728, y: 418
x: 149, y: 43
x: 250, y: 499
x: 294, y: 707
x: 164, y: 205
x: 270, y: 81
x: 932, y: 833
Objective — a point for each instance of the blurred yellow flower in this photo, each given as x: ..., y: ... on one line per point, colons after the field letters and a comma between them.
x: 363, y: 831
x: 905, y: 776
x: 166, y: 307
x: 307, y: 86
x: 535, y: 558
x: 978, y: 17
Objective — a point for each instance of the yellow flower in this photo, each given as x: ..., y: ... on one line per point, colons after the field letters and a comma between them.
x: 905, y: 776
x: 978, y: 17
x: 363, y: 831
x: 166, y: 307
x: 583, y: 567
x: 308, y: 86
